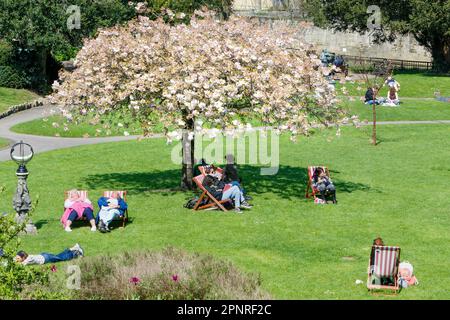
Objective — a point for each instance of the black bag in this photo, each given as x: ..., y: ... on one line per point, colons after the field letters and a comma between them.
x: 191, y: 203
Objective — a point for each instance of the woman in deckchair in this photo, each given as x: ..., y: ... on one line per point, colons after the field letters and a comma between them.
x: 110, y: 208
x: 222, y: 191
x: 324, y: 184
x: 76, y: 208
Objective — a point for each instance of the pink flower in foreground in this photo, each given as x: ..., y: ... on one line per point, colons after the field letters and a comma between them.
x: 135, y: 280
x: 175, y: 277
x: 53, y: 268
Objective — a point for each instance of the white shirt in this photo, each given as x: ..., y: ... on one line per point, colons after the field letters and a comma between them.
x: 34, y: 259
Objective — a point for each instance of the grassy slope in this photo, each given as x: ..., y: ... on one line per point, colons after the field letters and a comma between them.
x: 10, y: 97
x: 398, y: 190
x: 3, y: 143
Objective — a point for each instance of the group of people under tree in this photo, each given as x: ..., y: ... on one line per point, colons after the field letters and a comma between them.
x: 78, y: 207
x: 392, y: 99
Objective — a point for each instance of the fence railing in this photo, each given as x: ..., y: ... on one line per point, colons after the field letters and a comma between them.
x: 356, y: 61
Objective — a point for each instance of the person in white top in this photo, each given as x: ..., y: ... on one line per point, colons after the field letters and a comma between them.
x: 43, y: 258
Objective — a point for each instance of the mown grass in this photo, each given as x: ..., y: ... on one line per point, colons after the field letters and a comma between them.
x: 398, y: 190
x: 3, y: 143
x: 415, y: 85
x: 411, y: 109
x: 10, y: 97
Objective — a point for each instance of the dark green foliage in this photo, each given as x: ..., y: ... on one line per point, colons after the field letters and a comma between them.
x: 428, y: 21
x: 37, y: 31
x: 12, y: 78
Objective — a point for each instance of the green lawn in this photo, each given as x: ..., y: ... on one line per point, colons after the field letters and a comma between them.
x: 54, y: 126
x: 3, y: 143
x: 414, y: 85
x: 10, y: 97
x: 398, y: 190
x: 411, y: 109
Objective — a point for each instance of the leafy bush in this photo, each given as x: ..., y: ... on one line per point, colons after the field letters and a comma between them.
x: 14, y: 277
x: 12, y: 78
x: 170, y: 274
x: 6, y: 52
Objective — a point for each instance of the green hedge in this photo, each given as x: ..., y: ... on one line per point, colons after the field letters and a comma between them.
x: 12, y: 78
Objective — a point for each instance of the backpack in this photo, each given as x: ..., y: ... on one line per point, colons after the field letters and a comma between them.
x: 191, y: 203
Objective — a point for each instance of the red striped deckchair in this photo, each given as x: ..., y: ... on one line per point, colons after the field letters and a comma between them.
x: 123, y: 195
x: 383, y: 266
x: 211, y: 201
x: 309, y: 185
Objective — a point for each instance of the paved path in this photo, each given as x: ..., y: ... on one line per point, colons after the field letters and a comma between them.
x: 42, y: 144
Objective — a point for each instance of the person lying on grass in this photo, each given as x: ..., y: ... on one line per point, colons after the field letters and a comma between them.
x: 77, y: 207
x: 324, y: 184
x: 110, y: 208
x: 222, y: 191
x: 43, y: 258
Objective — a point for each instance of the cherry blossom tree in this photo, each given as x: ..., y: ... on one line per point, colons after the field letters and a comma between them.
x: 208, y: 74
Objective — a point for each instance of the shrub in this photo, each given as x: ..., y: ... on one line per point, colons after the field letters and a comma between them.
x: 170, y: 274
x: 12, y: 78
x: 6, y: 53
x: 14, y: 277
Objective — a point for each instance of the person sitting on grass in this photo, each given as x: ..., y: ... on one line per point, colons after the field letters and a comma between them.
x: 110, y: 208
x: 324, y: 184
x: 222, y: 191
x: 76, y: 208
x: 370, y: 96
x: 43, y: 258
x: 392, y: 97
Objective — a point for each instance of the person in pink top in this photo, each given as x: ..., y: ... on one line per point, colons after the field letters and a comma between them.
x: 77, y: 207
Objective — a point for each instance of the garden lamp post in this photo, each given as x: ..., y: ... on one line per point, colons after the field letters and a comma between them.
x: 22, y: 153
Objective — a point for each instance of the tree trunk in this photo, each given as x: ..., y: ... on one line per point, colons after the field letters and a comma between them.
x: 374, y: 115
x: 441, y: 54
x: 187, y: 171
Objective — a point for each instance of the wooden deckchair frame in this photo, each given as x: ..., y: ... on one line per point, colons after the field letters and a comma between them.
x: 309, y: 184
x: 212, y: 202
x: 396, y: 287
x: 123, y: 195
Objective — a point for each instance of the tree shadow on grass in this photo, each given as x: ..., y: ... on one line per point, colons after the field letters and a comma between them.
x: 289, y: 182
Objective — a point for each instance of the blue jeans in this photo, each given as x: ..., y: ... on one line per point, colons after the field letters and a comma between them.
x: 88, y: 213
x: 63, y: 256
x: 235, y: 194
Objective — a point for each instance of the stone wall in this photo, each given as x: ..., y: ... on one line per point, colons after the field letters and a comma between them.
x: 347, y: 43
x: 21, y: 107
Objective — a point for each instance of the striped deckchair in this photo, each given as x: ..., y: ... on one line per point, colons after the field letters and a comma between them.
x: 123, y: 195
x: 211, y: 201
x: 309, y: 185
x: 383, y: 268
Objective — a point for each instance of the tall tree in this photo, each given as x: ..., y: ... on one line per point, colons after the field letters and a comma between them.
x: 205, y: 74
x: 428, y: 21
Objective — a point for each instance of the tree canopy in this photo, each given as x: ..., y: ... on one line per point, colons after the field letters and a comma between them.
x: 207, y: 74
